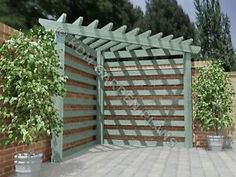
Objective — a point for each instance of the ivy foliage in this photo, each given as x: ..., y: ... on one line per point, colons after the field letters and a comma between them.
x: 213, y: 94
x: 29, y: 75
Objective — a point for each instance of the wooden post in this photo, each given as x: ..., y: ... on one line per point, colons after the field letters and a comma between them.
x: 188, y: 101
x: 100, y: 97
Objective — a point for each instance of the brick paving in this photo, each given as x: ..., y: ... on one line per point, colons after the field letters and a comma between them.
x: 113, y: 161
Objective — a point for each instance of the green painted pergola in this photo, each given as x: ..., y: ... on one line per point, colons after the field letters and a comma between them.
x: 105, y: 43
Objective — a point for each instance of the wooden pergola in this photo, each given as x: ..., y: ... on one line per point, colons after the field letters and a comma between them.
x: 105, y: 43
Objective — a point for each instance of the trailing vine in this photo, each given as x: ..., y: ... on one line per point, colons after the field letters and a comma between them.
x: 30, y: 78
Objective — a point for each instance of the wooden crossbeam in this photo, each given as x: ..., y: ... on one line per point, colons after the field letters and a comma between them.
x: 121, y: 38
x: 140, y: 53
x: 133, y: 32
x: 145, y: 34
x: 179, y: 39
x: 108, y: 27
x: 99, y: 44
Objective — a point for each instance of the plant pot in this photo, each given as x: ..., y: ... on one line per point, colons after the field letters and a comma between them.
x: 28, y: 164
x: 215, y: 143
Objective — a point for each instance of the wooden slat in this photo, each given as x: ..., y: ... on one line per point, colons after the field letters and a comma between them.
x: 145, y: 82
x: 144, y: 67
x: 144, y: 107
x: 80, y: 90
x: 144, y: 138
x: 144, y: 92
x: 79, y: 78
x: 79, y: 136
x: 145, y: 97
x: 161, y: 117
x: 149, y: 77
x: 139, y: 132
x: 141, y: 113
x: 145, y: 72
x: 147, y: 87
x: 147, y: 122
x: 140, y: 127
x: 140, y: 53
x: 143, y: 102
x: 136, y: 143
x: 145, y: 62
x: 77, y: 125
x: 68, y: 114
x: 80, y: 67
x: 77, y: 101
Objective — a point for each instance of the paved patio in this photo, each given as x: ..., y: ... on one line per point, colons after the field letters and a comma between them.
x: 113, y: 161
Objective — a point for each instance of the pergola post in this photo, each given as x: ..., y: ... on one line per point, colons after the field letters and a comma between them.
x: 188, y: 100
x: 57, y: 141
x: 100, y: 97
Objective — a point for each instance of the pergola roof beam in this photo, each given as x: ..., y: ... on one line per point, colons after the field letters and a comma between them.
x: 121, y: 38
x: 144, y: 34
x: 167, y: 38
x: 78, y: 21
x: 133, y: 32
x: 140, y: 53
x: 154, y: 37
x: 107, y: 27
x: 179, y: 39
x: 99, y: 44
x: 187, y: 42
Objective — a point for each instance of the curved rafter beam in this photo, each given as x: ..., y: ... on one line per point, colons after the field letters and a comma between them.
x: 101, y: 44
x: 120, y: 38
x: 144, y: 34
x: 133, y: 32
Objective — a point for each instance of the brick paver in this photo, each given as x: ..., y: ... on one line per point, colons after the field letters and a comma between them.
x: 113, y: 161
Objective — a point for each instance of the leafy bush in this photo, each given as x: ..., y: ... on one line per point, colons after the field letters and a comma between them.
x: 213, y: 98
x: 30, y: 78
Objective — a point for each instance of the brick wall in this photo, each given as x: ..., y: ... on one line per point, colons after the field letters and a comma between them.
x: 5, y: 32
x: 7, y: 154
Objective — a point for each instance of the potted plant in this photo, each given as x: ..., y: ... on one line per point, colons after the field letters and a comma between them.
x: 29, y: 75
x: 213, y: 94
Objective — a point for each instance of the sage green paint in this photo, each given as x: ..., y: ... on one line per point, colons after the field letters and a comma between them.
x: 57, y: 141
x: 100, y: 97
x: 188, y: 101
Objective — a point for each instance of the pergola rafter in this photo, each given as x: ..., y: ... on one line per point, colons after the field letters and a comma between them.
x: 97, y: 38
x: 103, y: 44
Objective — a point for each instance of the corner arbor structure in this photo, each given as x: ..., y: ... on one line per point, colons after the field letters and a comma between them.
x: 143, y: 87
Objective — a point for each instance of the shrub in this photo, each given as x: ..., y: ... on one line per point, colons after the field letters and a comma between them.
x: 213, y: 98
x: 29, y: 74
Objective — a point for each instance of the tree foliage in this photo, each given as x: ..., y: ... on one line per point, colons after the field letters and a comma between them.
x: 27, y: 12
x: 168, y: 17
x: 213, y: 98
x: 213, y: 30
x: 29, y: 79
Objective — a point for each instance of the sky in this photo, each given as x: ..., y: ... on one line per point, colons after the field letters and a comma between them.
x: 227, y: 6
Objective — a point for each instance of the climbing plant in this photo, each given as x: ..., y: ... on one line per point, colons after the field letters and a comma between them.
x: 30, y: 78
